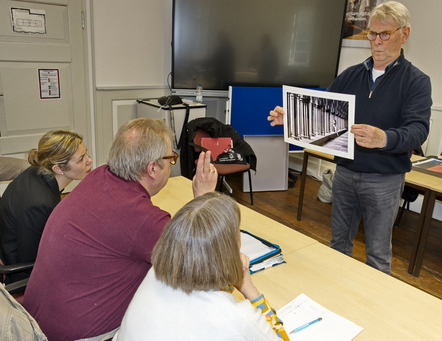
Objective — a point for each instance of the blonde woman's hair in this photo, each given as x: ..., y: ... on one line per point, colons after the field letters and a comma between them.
x: 56, y: 147
x: 199, y: 248
x: 136, y: 144
x: 391, y: 12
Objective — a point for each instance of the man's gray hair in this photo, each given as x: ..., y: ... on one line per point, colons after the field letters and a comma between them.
x: 391, y: 12
x: 136, y: 144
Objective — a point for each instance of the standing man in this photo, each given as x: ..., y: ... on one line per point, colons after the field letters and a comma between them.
x: 393, y: 108
x: 97, y: 243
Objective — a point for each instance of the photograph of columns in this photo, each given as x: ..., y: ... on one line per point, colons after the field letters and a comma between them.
x: 319, y: 120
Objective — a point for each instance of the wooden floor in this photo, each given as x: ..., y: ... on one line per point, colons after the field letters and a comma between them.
x: 282, y: 206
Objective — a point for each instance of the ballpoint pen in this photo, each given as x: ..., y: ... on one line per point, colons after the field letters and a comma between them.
x: 267, y: 264
x: 297, y: 329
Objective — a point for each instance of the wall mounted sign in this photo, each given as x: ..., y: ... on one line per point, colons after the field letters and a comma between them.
x: 49, y: 81
x: 356, y: 22
x: 28, y: 20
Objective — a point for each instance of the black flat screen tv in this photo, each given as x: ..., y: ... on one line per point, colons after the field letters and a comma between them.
x: 219, y: 43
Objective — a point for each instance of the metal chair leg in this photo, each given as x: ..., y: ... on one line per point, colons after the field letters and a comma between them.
x: 221, y: 180
x: 227, y: 186
x: 250, y: 187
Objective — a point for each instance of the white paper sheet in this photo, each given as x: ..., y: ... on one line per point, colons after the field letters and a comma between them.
x: 252, y: 247
x: 332, y: 327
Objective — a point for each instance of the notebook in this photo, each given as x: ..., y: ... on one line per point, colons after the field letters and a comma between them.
x: 256, y: 248
x: 217, y: 145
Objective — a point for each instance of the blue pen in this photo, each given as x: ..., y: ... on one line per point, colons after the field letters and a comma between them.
x: 306, y: 325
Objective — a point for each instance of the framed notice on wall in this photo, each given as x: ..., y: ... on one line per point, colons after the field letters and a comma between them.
x: 26, y: 20
x: 49, y: 82
x: 356, y: 22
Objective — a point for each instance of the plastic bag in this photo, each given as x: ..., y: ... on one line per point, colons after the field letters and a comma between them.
x: 231, y: 156
x: 325, y: 190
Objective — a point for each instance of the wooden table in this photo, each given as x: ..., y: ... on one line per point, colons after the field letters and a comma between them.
x: 178, y: 192
x: 385, y: 307
x: 430, y: 186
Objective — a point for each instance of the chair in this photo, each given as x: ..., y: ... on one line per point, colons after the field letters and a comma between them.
x: 409, y: 194
x: 211, y: 127
x: 15, y: 288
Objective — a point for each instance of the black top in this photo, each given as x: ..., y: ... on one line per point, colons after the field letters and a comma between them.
x: 399, y: 102
x: 24, y: 209
x: 214, y: 128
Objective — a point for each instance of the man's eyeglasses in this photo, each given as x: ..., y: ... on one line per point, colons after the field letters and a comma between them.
x: 173, y: 158
x: 371, y: 35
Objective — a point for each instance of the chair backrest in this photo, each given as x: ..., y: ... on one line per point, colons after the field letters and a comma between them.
x: 18, y: 286
x: 15, y: 287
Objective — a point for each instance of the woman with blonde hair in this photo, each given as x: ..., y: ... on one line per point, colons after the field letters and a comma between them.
x: 186, y: 295
x: 60, y: 158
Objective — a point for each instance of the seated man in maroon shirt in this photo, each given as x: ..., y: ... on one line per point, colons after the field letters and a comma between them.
x: 96, y: 246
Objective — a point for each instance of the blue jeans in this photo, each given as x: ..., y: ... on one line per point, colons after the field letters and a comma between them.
x: 375, y: 198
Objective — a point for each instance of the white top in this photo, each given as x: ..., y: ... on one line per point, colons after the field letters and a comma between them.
x: 159, y: 312
x: 377, y: 73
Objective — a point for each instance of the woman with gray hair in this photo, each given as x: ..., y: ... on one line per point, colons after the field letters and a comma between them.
x: 59, y: 158
x: 187, y: 293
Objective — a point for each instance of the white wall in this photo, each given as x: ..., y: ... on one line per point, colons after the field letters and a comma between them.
x: 132, y: 42
x: 132, y: 59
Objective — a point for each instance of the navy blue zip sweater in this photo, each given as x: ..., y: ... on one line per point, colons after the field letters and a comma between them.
x: 399, y: 102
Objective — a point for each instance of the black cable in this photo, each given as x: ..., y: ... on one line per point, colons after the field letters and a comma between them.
x: 168, y: 82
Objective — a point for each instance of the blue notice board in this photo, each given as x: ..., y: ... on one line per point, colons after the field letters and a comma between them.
x: 249, y: 108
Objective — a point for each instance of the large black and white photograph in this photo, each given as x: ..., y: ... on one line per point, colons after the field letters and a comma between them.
x: 319, y: 120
